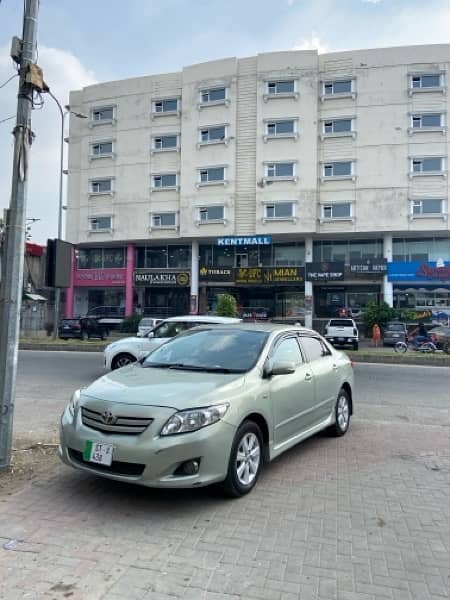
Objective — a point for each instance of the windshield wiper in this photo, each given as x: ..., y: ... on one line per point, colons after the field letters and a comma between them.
x: 187, y: 367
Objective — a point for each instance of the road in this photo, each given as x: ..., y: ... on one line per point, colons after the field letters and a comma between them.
x: 406, y: 393
x: 363, y: 517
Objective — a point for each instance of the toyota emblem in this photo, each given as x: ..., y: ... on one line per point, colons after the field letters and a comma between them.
x: 108, y: 418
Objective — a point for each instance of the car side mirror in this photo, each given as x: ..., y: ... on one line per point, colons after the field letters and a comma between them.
x: 281, y: 367
x: 150, y: 334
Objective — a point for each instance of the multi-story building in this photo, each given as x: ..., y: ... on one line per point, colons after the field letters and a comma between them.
x: 301, y: 183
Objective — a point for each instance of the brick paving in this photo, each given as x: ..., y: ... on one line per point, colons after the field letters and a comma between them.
x: 364, y: 517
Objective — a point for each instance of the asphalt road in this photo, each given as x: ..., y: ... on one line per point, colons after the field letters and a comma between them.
x: 399, y: 393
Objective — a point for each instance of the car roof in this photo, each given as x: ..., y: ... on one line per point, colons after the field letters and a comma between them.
x: 202, y: 319
x: 261, y: 326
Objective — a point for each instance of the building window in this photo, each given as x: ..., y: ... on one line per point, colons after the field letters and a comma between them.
x: 105, y: 114
x: 429, y: 81
x: 338, y: 210
x: 101, y: 149
x: 280, y: 170
x: 164, y: 181
x: 422, y: 121
x: 170, y: 105
x: 432, y: 164
x: 428, y: 206
x: 281, y: 87
x: 338, y: 169
x: 101, y: 186
x: 212, y: 135
x: 284, y: 128
x: 100, y: 258
x: 211, y: 175
x: 163, y: 220
x: 280, y: 210
x: 337, y: 126
x: 206, y: 214
x: 213, y: 95
x: 100, y: 224
x: 165, y: 142
x: 341, y: 87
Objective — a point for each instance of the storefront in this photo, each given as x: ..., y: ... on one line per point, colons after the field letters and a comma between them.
x: 422, y: 286
x: 162, y: 292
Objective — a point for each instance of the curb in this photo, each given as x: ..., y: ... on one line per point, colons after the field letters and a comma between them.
x: 60, y: 347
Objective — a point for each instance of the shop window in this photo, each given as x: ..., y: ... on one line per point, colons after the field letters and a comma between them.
x: 206, y: 255
x: 156, y: 257
x: 179, y: 257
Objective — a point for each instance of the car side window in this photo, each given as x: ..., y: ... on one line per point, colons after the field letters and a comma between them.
x: 168, y: 330
x: 314, y: 347
x: 288, y: 351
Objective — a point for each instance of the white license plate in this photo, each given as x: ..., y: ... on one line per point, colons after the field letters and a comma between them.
x: 396, y: 335
x: 99, y: 453
x: 341, y: 339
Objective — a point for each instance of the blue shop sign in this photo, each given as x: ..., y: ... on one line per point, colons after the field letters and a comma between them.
x: 419, y: 271
x: 251, y: 240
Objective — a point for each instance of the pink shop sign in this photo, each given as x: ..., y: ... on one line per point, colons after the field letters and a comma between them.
x: 99, y: 277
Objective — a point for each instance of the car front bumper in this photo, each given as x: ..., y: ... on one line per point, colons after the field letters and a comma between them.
x: 150, y: 459
x: 341, y: 340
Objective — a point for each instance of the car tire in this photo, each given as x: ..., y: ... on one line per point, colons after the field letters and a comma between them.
x: 246, y: 460
x: 342, y: 414
x: 355, y: 346
x: 84, y: 336
x: 122, y: 360
x: 103, y: 335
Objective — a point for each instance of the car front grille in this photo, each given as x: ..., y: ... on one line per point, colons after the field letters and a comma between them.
x: 120, y: 425
x: 117, y: 467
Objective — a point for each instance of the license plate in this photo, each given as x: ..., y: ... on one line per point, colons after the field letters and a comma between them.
x: 341, y: 339
x: 396, y: 335
x: 99, y: 453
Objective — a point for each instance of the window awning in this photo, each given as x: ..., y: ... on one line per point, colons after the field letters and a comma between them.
x: 35, y: 297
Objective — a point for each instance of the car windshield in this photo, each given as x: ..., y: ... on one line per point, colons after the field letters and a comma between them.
x: 146, y: 322
x: 227, y: 351
x: 341, y: 323
x: 395, y: 327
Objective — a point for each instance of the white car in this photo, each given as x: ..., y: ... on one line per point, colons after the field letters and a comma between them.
x: 146, y: 325
x: 130, y: 349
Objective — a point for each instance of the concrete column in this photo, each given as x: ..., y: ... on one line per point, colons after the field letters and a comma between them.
x: 194, y: 278
x: 308, y: 285
x: 70, y: 291
x: 129, y: 280
x: 388, y: 289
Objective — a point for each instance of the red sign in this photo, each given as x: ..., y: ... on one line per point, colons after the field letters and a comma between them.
x: 99, y: 277
x: 442, y: 272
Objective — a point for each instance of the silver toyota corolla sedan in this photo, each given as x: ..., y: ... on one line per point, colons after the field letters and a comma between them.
x: 210, y: 406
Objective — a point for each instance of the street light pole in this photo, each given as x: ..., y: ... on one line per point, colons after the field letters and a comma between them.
x: 63, y: 114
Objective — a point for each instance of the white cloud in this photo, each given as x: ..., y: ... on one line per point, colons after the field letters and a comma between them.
x: 290, y: 2
x: 62, y: 72
x: 311, y: 43
x: 372, y: 1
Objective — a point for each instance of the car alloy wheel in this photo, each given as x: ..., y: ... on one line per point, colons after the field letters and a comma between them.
x: 122, y: 360
x: 342, y: 414
x: 246, y: 460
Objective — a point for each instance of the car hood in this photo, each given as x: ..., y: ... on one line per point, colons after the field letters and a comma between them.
x: 172, y: 388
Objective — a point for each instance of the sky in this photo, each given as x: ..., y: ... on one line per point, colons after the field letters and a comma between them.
x: 88, y: 41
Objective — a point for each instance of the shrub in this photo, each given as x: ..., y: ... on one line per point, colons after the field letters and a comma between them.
x: 380, y: 314
x: 227, y: 306
x: 130, y: 324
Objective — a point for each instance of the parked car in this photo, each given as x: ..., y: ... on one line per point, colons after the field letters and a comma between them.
x: 83, y: 328
x: 394, y: 331
x: 209, y: 406
x: 108, y: 315
x: 440, y: 336
x: 130, y: 349
x: 342, y: 332
x: 146, y: 325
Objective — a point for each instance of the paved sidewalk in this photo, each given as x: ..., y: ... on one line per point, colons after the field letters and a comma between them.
x: 364, y: 517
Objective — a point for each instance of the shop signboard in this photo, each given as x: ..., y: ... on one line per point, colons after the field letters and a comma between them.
x: 368, y: 267
x: 324, y: 271
x: 269, y: 275
x: 250, y: 240
x: 249, y: 275
x: 419, y: 271
x: 148, y: 277
x: 99, y: 277
x: 216, y: 274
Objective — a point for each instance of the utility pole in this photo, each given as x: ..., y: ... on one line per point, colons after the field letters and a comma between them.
x: 11, y: 289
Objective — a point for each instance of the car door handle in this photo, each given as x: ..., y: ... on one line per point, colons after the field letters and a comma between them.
x: 308, y: 377
x: 335, y: 367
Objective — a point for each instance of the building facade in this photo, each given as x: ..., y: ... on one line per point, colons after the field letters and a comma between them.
x: 301, y: 183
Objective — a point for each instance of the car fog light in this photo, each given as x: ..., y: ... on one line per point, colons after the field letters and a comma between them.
x: 190, y: 467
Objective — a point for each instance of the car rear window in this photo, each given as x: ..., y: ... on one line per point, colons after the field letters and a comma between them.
x: 395, y: 327
x: 341, y: 323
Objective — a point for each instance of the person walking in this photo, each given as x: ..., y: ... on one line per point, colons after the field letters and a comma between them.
x: 376, y: 335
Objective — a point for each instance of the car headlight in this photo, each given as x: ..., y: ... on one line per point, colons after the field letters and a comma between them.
x: 74, y: 402
x: 192, y: 420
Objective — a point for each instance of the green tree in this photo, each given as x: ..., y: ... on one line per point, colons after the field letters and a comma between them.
x: 130, y: 324
x: 227, y: 306
x: 378, y: 313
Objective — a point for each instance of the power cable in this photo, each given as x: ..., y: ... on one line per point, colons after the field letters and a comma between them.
x: 8, y: 80
x: 7, y: 119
